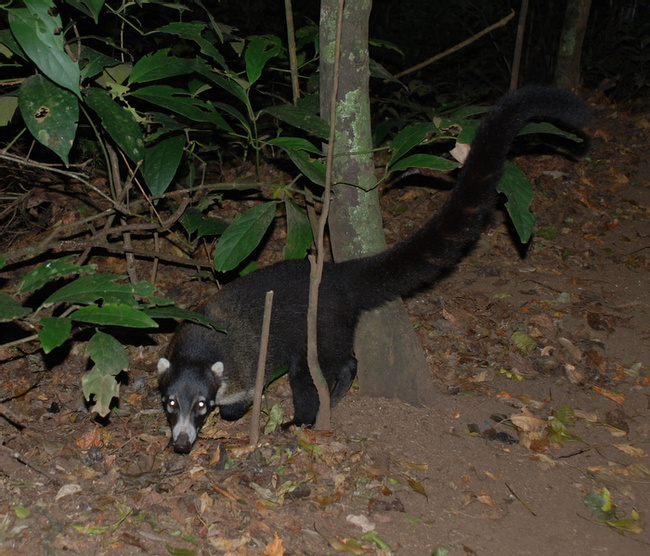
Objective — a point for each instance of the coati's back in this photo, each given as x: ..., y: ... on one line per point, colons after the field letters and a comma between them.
x: 225, y: 363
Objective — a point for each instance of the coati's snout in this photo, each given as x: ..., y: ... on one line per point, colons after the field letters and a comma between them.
x: 187, y: 402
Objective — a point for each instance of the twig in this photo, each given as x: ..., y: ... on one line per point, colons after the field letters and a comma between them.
x: 516, y: 60
x: 22, y: 459
x: 520, y: 500
x: 460, y: 45
x: 11, y: 416
x: 293, y: 58
x: 261, y: 366
x: 317, y: 262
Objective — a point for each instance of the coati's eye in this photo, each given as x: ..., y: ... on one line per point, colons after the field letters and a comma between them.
x: 172, y: 403
x: 201, y: 404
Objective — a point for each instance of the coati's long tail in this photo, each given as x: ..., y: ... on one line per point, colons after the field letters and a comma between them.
x: 421, y: 258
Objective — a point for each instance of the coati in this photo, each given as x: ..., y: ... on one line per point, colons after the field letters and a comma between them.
x: 204, y: 368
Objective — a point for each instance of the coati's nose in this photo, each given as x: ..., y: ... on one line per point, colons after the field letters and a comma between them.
x: 182, y: 444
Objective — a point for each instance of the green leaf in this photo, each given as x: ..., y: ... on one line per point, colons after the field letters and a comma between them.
x: 54, y: 332
x: 300, y: 118
x: 50, y: 270
x: 21, y: 511
x: 299, y: 232
x: 37, y: 28
x: 258, y: 52
x: 295, y: 143
x: 425, y: 161
x: 118, y: 121
x: 114, y: 314
x: 161, y: 162
x: 178, y: 313
x: 10, y: 309
x: 88, y: 7
x: 102, y: 387
x: 242, y: 236
x: 546, y: 127
x: 373, y: 537
x: 93, y: 62
x: 520, y: 195
x: 88, y: 289
x: 275, y: 419
x: 107, y: 353
x: 181, y: 102
x: 50, y: 113
x: 312, y: 169
x: 600, y: 505
x: 160, y: 65
x: 193, y: 220
x: 193, y: 32
x: 8, y: 105
x: 523, y: 342
x: 408, y: 138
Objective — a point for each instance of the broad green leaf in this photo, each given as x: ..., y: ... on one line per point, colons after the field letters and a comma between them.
x: 181, y: 102
x: 425, y: 161
x: 295, y: 143
x: 114, y: 314
x: 3, y: 262
x: 50, y: 113
x: 546, y: 127
x: 89, y: 7
x: 299, y: 232
x: 408, y: 138
x: 300, y: 118
x: 242, y: 236
x: 37, y: 28
x: 54, y: 332
x: 50, y: 270
x: 160, y: 65
x: 258, y: 52
x: 8, y: 105
x: 193, y: 220
x: 10, y: 309
x: 107, y: 353
x: 88, y: 289
x: 275, y: 419
x: 21, y: 511
x: 102, y: 387
x: 193, y: 32
x: 520, y: 195
x: 93, y: 62
x: 118, y: 121
x: 161, y: 162
x: 232, y: 84
x: 313, y: 169
x: 178, y: 313
x: 9, y: 42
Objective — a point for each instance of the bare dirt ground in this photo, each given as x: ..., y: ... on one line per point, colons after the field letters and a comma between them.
x: 540, y: 419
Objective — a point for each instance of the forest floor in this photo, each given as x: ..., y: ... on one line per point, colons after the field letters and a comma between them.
x: 541, y: 368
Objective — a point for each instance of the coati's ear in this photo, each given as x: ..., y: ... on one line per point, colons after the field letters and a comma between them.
x: 163, y: 366
x: 217, y: 369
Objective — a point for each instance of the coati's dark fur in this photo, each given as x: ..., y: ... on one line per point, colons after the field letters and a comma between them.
x: 204, y: 368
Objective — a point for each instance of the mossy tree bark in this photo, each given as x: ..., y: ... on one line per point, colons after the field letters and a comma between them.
x: 567, y: 68
x: 391, y: 360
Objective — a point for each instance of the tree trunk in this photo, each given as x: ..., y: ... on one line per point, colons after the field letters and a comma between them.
x: 567, y: 69
x: 391, y: 360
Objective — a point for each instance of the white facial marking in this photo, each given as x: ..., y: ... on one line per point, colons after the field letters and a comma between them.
x: 184, y: 425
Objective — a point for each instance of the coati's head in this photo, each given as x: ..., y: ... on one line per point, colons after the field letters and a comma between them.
x: 188, y: 397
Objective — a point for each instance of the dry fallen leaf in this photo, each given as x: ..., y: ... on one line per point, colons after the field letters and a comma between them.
x: 274, y: 548
x: 618, y: 398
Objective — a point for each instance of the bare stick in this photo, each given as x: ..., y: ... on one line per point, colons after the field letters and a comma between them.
x: 291, y: 42
x: 316, y: 263
x: 261, y: 366
x: 516, y: 61
x: 22, y: 459
x: 460, y: 45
